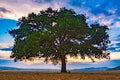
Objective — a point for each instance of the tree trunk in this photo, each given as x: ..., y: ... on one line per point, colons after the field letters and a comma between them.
x: 63, y: 64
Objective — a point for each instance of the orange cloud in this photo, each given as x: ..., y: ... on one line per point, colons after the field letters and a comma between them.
x: 5, y: 45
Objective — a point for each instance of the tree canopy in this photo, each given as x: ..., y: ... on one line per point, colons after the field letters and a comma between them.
x: 55, y: 34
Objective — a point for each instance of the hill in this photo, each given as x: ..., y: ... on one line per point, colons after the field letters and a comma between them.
x: 91, y: 69
x: 26, y: 69
x: 9, y: 68
x: 115, y: 68
x: 83, y: 69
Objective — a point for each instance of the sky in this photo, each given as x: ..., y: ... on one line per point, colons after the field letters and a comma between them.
x: 105, y: 12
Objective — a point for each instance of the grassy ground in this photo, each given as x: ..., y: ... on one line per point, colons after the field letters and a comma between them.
x: 38, y: 75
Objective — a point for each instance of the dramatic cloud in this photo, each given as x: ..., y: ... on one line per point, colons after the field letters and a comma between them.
x: 27, y: 6
x: 105, y: 12
x: 5, y: 13
x: 4, y: 10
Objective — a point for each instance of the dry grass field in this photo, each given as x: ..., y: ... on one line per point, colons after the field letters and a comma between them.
x: 38, y: 75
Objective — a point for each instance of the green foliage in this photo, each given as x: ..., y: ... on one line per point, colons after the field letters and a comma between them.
x: 53, y: 34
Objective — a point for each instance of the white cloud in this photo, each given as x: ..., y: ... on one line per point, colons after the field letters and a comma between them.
x: 102, y: 19
x: 114, y: 43
x: 5, y: 54
x: 117, y: 24
x: 112, y: 11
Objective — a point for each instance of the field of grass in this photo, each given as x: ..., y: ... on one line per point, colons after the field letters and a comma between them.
x: 39, y: 75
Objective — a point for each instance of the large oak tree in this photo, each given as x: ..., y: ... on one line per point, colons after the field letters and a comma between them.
x: 55, y: 34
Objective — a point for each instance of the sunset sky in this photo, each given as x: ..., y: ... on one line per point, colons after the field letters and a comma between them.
x: 105, y: 12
